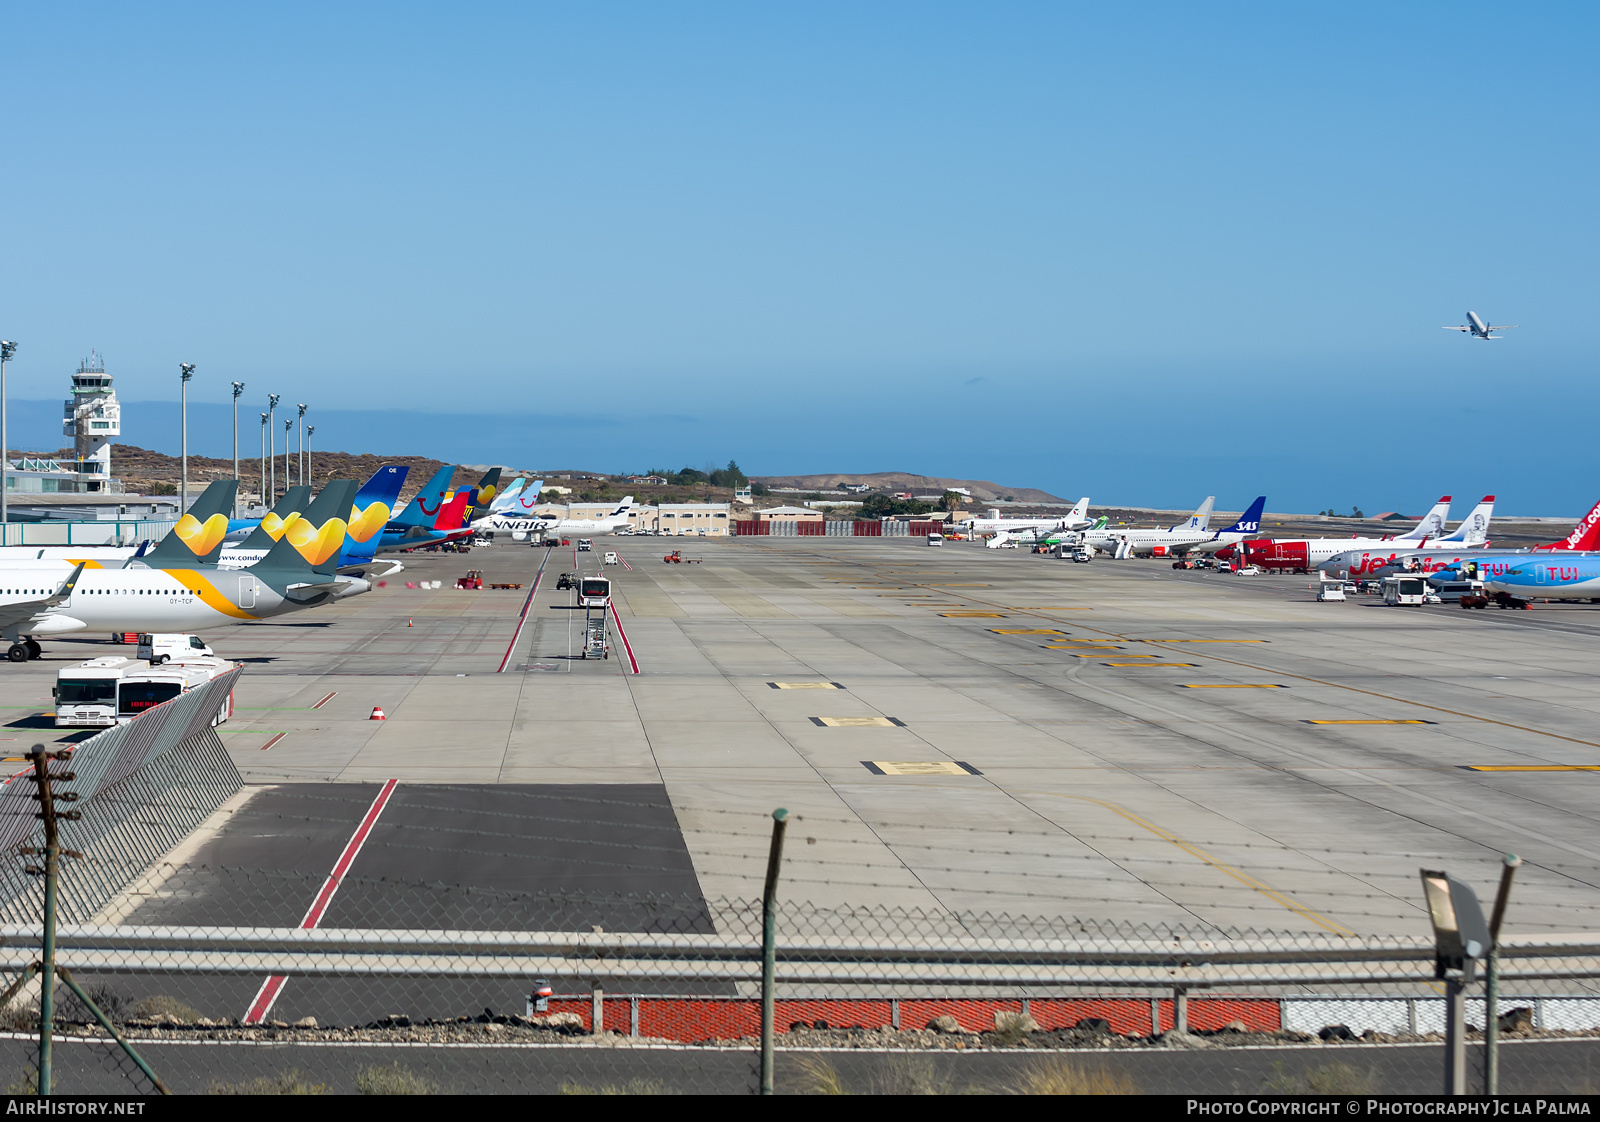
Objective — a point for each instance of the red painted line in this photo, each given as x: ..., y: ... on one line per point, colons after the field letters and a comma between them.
x: 274, y: 740
x: 273, y: 986
x: 325, y: 700
x: 623, y: 635
x: 522, y: 619
x: 625, y: 564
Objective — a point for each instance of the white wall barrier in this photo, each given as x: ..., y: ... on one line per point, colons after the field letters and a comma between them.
x: 82, y: 533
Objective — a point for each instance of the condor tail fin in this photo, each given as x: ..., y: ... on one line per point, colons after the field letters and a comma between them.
x: 197, y: 538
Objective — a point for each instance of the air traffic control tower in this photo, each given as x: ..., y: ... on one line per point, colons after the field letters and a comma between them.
x: 92, y: 417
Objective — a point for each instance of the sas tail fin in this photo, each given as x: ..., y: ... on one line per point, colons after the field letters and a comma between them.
x: 271, y: 527
x: 197, y: 538
x: 1432, y: 524
x: 370, y: 513
x: 1250, y: 521
x: 311, y: 543
x: 1474, y: 529
x: 1585, y: 535
x: 1201, y: 518
x: 423, y: 509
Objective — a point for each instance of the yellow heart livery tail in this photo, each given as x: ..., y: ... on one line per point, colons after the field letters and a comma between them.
x: 311, y: 544
x: 287, y: 511
x: 198, y: 535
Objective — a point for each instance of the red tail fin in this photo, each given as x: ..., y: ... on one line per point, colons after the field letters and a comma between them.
x: 1585, y: 535
x: 454, y: 512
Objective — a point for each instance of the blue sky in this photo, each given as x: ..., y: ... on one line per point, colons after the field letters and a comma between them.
x: 1147, y: 252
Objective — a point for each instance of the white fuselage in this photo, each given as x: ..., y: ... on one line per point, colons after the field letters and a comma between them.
x: 1162, y: 542
x: 507, y: 524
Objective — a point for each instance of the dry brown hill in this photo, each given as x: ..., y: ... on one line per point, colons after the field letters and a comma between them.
x: 982, y: 489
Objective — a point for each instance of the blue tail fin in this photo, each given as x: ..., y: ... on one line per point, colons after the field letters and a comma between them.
x: 1250, y: 521
x: 370, y: 514
x: 424, y: 508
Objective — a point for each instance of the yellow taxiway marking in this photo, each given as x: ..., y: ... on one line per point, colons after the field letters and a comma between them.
x: 1026, y: 631
x: 1231, y: 686
x: 1276, y: 896
x: 1087, y: 647
x: 1199, y: 640
x: 973, y: 615
x: 1404, y: 722
x: 805, y: 685
x: 1049, y: 608
x: 857, y: 722
x: 1153, y: 665
x: 1531, y: 767
x: 919, y: 767
x: 960, y: 586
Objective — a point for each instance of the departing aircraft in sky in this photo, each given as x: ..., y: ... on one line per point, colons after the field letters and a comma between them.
x: 1478, y: 329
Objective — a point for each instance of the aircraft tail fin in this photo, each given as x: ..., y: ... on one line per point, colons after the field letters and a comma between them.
x: 275, y: 521
x: 454, y: 513
x: 505, y: 497
x: 1201, y: 518
x: 1585, y: 535
x: 197, y: 537
x: 370, y: 513
x: 1080, y: 510
x: 1474, y: 529
x: 310, y: 544
x: 1432, y: 524
x: 483, y: 494
x: 1250, y: 521
x: 424, y: 505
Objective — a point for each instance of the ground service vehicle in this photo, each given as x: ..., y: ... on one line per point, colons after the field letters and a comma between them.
x: 585, y: 545
x: 674, y: 558
x: 609, y: 559
x: 473, y: 579
x: 145, y: 689
x: 594, y: 592
x: 1330, y: 590
x: 114, y: 690
x: 938, y: 539
x: 566, y: 581
x: 1404, y: 591
x: 156, y: 649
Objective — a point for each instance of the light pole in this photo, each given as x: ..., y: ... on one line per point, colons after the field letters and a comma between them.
x: 8, y: 350
x: 264, y: 502
x: 311, y: 431
x: 272, y: 455
x: 288, y: 423
x: 302, y: 456
x: 185, y: 372
x: 1460, y: 937
x: 238, y: 388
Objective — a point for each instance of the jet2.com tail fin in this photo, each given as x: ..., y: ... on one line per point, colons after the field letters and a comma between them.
x: 271, y: 527
x: 1585, y: 535
x: 1250, y: 521
x: 1432, y: 524
x: 197, y: 538
x: 370, y: 514
x: 1474, y: 529
x: 311, y: 544
x: 423, y: 509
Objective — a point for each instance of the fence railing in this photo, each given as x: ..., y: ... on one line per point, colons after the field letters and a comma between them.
x: 83, y: 533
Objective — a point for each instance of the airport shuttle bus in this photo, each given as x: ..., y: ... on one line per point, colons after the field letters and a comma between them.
x: 114, y: 690
x: 594, y: 592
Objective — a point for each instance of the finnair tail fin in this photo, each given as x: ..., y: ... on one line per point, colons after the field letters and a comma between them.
x: 424, y: 506
x: 1585, y: 535
x: 370, y: 513
x: 1201, y: 518
x: 1250, y: 521
x: 197, y: 538
x: 1432, y: 524
x: 620, y: 515
x: 1474, y: 529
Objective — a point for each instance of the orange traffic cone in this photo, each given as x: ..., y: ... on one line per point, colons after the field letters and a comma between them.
x: 408, y: 623
x: 377, y: 714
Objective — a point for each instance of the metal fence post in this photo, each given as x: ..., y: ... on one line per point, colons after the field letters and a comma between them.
x: 597, y: 1008
x: 1491, y: 980
x: 769, y: 940
x: 1180, y: 1010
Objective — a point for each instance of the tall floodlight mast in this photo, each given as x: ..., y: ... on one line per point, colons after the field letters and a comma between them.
x: 185, y: 372
x: 8, y: 350
x: 238, y: 388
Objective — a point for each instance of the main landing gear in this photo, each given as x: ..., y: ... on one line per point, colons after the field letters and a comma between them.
x: 24, y: 651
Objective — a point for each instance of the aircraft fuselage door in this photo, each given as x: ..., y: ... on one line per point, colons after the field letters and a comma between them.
x: 247, y: 591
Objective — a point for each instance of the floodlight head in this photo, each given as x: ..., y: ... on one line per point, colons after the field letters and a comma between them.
x: 272, y: 400
x: 238, y: 388
x: 1460, y: 934
x: 310, y: 429
x: 8, y: 350
x: 263, y: 420
x: 302, y: 408
x: 288, y: 423
x: 186, y: 370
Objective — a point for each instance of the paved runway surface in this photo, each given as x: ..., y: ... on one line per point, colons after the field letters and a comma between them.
x: 1116, y: 741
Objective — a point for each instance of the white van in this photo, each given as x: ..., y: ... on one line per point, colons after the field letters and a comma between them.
x: 157, y: 649
x: 935, y: 539
x: 585, y: 545
x: 609, y: 559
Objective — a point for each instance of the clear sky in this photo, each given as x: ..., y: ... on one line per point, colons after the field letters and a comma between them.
x: 1143, y: 251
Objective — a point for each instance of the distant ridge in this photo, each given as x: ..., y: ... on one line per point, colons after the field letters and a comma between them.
x: 982, y: 489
